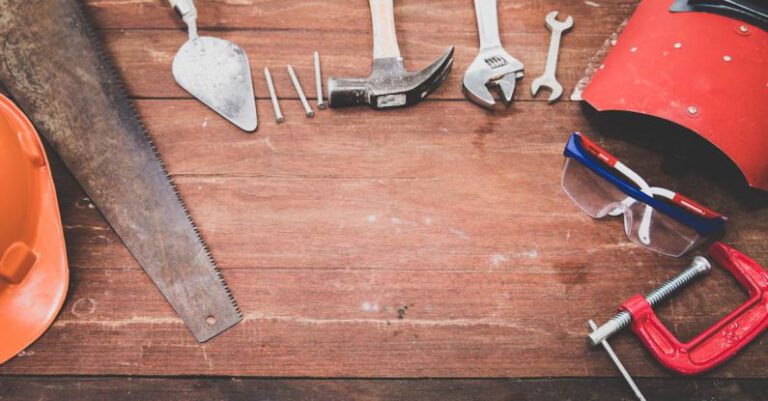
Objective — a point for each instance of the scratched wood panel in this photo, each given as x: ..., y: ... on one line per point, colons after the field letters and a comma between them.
x: 357, y: 323
x: 425, y: 192
x: 327, y: 229
x: 491, y: 260
x: 145, y: 56
x: 343, y: 17
x: 219, y: 389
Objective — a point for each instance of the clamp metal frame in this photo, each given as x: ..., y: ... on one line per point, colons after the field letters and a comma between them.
x: 721, y: 341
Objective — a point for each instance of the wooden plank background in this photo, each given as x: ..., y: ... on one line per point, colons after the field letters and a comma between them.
x: 428, y: 242
x: 249, y: 389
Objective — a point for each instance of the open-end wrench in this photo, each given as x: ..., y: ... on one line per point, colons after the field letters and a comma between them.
x: 548, y: 79
x: 493, y: 66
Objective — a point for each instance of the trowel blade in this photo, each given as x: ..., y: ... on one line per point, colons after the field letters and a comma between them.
x: 217, y: 73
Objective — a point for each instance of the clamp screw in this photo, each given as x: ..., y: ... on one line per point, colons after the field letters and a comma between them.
x: 698, y: 267
x: 693, y: 110
x: 743, y: 29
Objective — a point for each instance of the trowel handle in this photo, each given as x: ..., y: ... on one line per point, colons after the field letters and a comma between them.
x: 188, y: 13
x: 384, y: 34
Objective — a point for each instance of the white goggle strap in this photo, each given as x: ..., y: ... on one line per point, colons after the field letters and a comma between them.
x: 644, y: 231
x: 645, y: 222
x: 637, y: 180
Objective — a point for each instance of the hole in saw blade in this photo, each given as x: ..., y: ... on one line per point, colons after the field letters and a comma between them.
x: 210, y: 320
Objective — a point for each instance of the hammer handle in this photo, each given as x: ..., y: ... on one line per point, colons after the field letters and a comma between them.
x: 384, y: 34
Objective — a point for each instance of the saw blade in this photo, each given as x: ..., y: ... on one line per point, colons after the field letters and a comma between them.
x: 55, y: 68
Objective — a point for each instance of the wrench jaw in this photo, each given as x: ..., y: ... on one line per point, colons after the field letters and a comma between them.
x: 556, y: 90
x: 495, y: 70
x: 475, y: 89
x: 552, y: 22
x: 507, y: 87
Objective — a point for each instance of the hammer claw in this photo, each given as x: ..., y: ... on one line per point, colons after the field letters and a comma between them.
x: 389, y: 84
x: 432, y: 76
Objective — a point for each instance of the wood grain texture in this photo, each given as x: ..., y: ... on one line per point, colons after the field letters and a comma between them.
x: 276, y: 33
x: 428, y: 242
x: 145, y: 57
x: 238, y: 389
x: 411, y: 252
x: 353, y: 17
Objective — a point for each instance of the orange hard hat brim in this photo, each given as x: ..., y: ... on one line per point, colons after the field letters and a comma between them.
x: 28, y: 307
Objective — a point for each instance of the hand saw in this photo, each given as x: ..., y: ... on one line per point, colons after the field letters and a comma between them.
x: 54, y: 67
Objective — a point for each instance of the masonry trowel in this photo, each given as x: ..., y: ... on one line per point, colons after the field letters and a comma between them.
x: 215, y: 71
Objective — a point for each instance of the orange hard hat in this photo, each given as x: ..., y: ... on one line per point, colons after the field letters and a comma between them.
x: 33, y: 260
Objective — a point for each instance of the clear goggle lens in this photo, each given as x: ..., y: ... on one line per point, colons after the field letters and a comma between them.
x: 643, y: 224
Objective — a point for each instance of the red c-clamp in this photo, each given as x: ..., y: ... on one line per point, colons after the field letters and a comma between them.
x: 715, y: 345
x: 721, y: 341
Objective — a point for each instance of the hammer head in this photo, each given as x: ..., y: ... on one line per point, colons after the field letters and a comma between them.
x: 389, y: 84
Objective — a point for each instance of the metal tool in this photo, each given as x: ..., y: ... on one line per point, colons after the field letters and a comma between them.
x: 215, y: 71
x: 302, y: 98
x: 548, y: 79
x: 275, y: 105
x: 493, y: 67
x: 713, y: 346
x: 389, y: 84
x: 618, y: 364
x: 318, y: 82
x: 699, y: 267
x: 59, y: 74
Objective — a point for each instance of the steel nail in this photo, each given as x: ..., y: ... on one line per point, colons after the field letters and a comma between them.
x: 271, y: 87
x: 297, y: 85
x: 318, y: 82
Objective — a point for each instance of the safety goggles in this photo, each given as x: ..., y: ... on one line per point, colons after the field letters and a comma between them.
x: 657, y: 218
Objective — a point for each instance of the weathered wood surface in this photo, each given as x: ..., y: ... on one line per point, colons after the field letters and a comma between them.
x: 242, y: 389
x: 146, y: 58
x: 353, y: 17
x: 326, y: 233
x: 429, y: 242
x: 276, y: 33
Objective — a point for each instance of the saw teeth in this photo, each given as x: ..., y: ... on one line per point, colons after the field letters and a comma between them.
x: 123, y: 92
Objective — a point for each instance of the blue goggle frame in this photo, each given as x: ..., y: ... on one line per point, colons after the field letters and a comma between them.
x: 703, y: 225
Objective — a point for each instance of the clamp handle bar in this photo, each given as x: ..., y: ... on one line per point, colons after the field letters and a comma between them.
x: 721, y: 341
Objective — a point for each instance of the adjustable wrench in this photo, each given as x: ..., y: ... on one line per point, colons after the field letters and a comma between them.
x: 548, y: 79
x: 493, y: 66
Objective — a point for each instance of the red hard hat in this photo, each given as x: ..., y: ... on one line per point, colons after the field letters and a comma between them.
x: 33, y: 260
